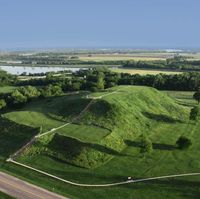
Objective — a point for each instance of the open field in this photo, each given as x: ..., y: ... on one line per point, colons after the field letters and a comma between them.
x: 148, y: 56
x: 125, y: 56
x: 143, y: 71
x: 139, y: 110
x: 6, y: 89
x: 192, y: 56
x: 48, y: 113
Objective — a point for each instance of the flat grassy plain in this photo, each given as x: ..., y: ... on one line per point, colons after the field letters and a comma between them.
x: 125, y: 56
x: 139, y: 110
x: 140, y: 56
x: 143, y: 71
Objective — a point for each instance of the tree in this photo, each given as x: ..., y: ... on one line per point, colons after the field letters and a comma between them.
x: 2, y: 104
x: 196, y: 96
x: 17, y: 98
x: 195, y: 113
x: 183, y: 142
x: 29, y: 91
x: 100, y: 81
x: 145, y: 144
x: 75, y: 86
x: 51, y: 90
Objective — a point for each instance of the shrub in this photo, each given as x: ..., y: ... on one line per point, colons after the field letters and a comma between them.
x: 196, y: 96
x: 183, y: 142
x: 2, y: 104
x: 195, y: 113
x: 51, y: 90
x: 17, y: 99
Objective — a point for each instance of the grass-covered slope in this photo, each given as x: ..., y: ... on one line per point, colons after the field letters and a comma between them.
x: 165, y: 159
x: 13, y: 136
x: 124, y: 114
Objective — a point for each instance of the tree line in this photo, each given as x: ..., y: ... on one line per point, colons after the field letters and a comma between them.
x: 175, y: 63
x: 94, y: 79
x: 25, y: 94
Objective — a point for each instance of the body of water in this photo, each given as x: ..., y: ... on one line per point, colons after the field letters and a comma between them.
x: 18, y: 70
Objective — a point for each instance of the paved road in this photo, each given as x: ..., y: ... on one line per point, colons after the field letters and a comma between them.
x: 23, y: 190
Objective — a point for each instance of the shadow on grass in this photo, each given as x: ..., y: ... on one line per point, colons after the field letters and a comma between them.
x: 73, y: 147
x: 13, y: 136
x: 168, y: 188
x: 158, y: 146
x: 161, y: 117
x: 164, y: 146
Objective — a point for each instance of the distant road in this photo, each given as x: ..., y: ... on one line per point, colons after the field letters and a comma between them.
x: 23, y: 190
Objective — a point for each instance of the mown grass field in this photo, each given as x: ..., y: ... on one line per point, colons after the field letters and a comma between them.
x: 143, y: 71
x: 48, y: 113
x: 133, y: 111
x: 183, y: 97
x: 6, y: 89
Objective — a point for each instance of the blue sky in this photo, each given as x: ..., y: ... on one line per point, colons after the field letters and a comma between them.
x: 99, y: 23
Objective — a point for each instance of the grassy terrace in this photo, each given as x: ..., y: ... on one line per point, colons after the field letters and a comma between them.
x: 103, y: 146
x: 183, y: 97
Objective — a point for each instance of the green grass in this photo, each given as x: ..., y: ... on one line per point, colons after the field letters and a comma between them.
x: 6, y: 89
x: 132, y: 111
x: 5, y: 196
x: 49, y: 113
x: 116, y: 113
x: 13, y: 136
x: 84, y: 132
x: 183, y: 97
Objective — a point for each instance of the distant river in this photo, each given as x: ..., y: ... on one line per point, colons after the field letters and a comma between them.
x: 17, y: 70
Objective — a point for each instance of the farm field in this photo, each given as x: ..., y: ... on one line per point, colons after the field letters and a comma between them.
x: 143, y: 71
x: 118, y: 57
x: 115, y: 155
x: 140, y: 56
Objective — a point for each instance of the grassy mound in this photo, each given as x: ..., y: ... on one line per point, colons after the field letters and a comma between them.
x: 77, y: 152
x: 127, y: 113
x: 161, y: 127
